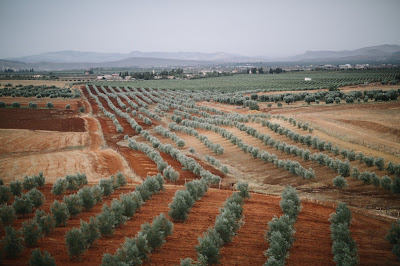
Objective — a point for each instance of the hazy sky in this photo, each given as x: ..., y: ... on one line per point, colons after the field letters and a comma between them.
x: 269, y: 28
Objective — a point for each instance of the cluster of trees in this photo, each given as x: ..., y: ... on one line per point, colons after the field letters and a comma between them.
x: 344, y: 248
x: 137, y: 249
x: 372, y: 178
x: 184, y: 199
x: 69, y: 182
x: 168, y: 134
x: 37, y: 91
x: 226, y: 224
x: 330, y: 96
x: 281, y: 230
x: 79, y: 240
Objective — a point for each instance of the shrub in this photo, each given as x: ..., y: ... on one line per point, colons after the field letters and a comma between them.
x: 87, y: 197
x: 81, y: 109
x: 50, y: 105
x: 121, y: 180
x: 75, y: 242
x: 7, y: 215
x: 60, y: 212
x: 380, y: 163
x: 179, y: 208
x: 369, y: 160
x: 5, y: 194
x: 393, y: 237
x: 36, y: 197
x: 129, y: 205
x: 386, y: 182
x: 107, y: 186
x: 152, y: 185
x: 290, y: 202
x: 118, y: 210
x: 22, y: 205
x: 90, y: 231
x: 159, y: 229
x: 97, y: 193
x: 16, y: 105
x: 171, y: 174
x: 74, y: 204
x: 208, y: 247
x: 134, y: 250
x: 59, y: 187
x: 16, y: 187
x: 2, y: 104
x: 243, y: 189
x: 33, y: 105
x: 192, y: 150
x: 43, y: 260
x: 47, y: 222
x: 12, y: 242
x: 106, y: 221
x: 29, y: 182
x: 344, y: 169
x: 339, y: 182
x: 32, y: 232
x: 68, y: 106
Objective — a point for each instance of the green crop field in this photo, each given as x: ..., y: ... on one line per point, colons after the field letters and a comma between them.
x: 267, y: 82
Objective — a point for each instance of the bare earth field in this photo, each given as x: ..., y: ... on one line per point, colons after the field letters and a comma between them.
x: 59, y: 142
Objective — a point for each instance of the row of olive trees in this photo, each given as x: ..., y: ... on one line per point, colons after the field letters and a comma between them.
x: 79, y: 240
x: 344, y: 248
x: 215, y: 147
x: 225, y: 227
x: 69, y: 182
x: 281, y: 230
x: 292, y: 166
x: 135, y: 250
x: 37, y: 91
x: 118, y: 126
x: 168, y: 134
x: 184, y: 199
x: 188, y: 163
x: 324, y: 145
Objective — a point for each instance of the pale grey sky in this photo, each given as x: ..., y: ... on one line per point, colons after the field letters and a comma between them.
x: 268, y: 28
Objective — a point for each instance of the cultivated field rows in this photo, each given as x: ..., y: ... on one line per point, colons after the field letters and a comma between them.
x: 100, y: 137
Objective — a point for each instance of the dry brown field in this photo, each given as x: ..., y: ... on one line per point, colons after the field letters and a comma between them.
x: 59, y: 142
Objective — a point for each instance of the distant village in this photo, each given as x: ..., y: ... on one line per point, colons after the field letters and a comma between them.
x: 194, y: 72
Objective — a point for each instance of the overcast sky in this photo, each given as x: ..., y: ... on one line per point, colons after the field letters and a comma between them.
x: 268, y: 28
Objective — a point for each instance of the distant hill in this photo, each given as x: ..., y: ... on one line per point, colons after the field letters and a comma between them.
x: 64, y: 60
x: 373, y: 53
x: 93, y: 57
x: 143, y: 62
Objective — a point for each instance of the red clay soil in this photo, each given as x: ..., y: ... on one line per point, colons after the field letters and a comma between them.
x: 181, y: 244
x: 247, y: 248
x: 41, y: 119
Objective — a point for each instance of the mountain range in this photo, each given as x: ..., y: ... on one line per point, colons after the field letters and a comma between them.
x: 64, y: 60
